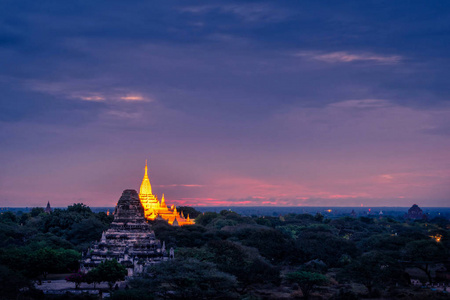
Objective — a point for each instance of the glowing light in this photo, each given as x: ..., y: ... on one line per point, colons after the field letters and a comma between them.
x: 153, y: 209
x: 436, y: 237
x: 146, y: 188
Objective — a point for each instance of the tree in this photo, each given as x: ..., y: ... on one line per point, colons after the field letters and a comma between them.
x: 77, y: 278
x: 244, y: 263
x: 80, y: 208
x: 11, y: 282
x: 271, y: 243
x: 93, y: 276
x: 131, y: 294
x: 319, y: 217
x: 111, y: 271
x: 374, y: 269
x: 8, y: 217
x: 104, y: 218
x: 306, y: 281
x: 47, y: 260
x: 87, y: 230
x: 187, y: 210
x: 42, y: 240
x: 384, y: 242
x: 43, y: 261
x: 36, y: 211
x: 424, y: 253
x: 206, y: 218
x: 441, y: 222
x: 321, y: 242
x: 188, y: 279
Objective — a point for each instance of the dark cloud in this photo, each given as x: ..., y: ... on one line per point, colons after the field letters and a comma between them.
x: 224, y: 87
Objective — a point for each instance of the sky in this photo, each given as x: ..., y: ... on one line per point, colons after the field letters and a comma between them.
x: 288, y: 103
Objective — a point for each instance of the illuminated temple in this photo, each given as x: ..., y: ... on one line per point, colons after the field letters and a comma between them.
x: 158, y: 210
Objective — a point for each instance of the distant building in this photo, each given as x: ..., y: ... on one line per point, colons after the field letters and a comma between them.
x: 130, y: 239
x: 415, y: 213
x: 48, y: 209
x: 156, y: 210
x: 353, y: 213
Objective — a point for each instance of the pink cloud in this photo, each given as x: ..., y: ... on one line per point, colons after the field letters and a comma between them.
x: 346, y: 57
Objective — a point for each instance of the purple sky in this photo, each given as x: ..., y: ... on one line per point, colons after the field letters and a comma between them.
x: 233, y: 103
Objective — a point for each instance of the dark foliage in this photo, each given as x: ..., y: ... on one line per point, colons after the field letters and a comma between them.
x: 244, y: 263
x: 187, y: 210
x: 306, y: 281
x: 11, y: 282
x: 228, y: 255
x: 35, y: 244
x: 187, y: 279
x: 110, y: 271
x: 132, y: 294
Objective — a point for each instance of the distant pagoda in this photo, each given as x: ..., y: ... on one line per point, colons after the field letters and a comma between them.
x: 154, y: 209
x: 130, y: 239
x: 415, y: 213
x: 48, y: 209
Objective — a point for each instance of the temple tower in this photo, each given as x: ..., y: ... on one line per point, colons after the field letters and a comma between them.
x: 48, y: 209
x: 146, y: 187
x: 148, y: 200
x: 153, y: 209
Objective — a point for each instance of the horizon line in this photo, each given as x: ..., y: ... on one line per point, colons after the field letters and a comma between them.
x: 288, y: 206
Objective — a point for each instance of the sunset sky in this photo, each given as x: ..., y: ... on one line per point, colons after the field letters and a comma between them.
x: 320, y: 103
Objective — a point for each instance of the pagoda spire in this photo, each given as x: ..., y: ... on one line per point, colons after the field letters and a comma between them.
x: 48, y: 209
x: 163, y: 202
x: 146, y: 188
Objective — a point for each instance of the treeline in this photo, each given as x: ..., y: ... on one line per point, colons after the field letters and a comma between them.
x: 35, y: 244
x: 229, y: 256
x: 226, y: 255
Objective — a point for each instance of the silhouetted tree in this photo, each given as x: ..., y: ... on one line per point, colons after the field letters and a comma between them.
x: 36, y: 211
x: 244, y: 263
x: 188, y: 279
x: 188, y: 210
x: 306, y: 281
x: 77, y: 278
x: 374, y: 269
x: 11, y: 282
x: 111, y: 271
x: 425, y: 253
x: 205, y: 218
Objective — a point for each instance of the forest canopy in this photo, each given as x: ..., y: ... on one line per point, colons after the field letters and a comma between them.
x: 233, y: 255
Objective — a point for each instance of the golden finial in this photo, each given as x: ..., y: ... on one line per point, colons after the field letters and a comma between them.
x: 163, y: 201
x: 146, y: 188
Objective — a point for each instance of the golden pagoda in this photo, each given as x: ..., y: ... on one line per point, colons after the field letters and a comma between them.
x: 153, y: 209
